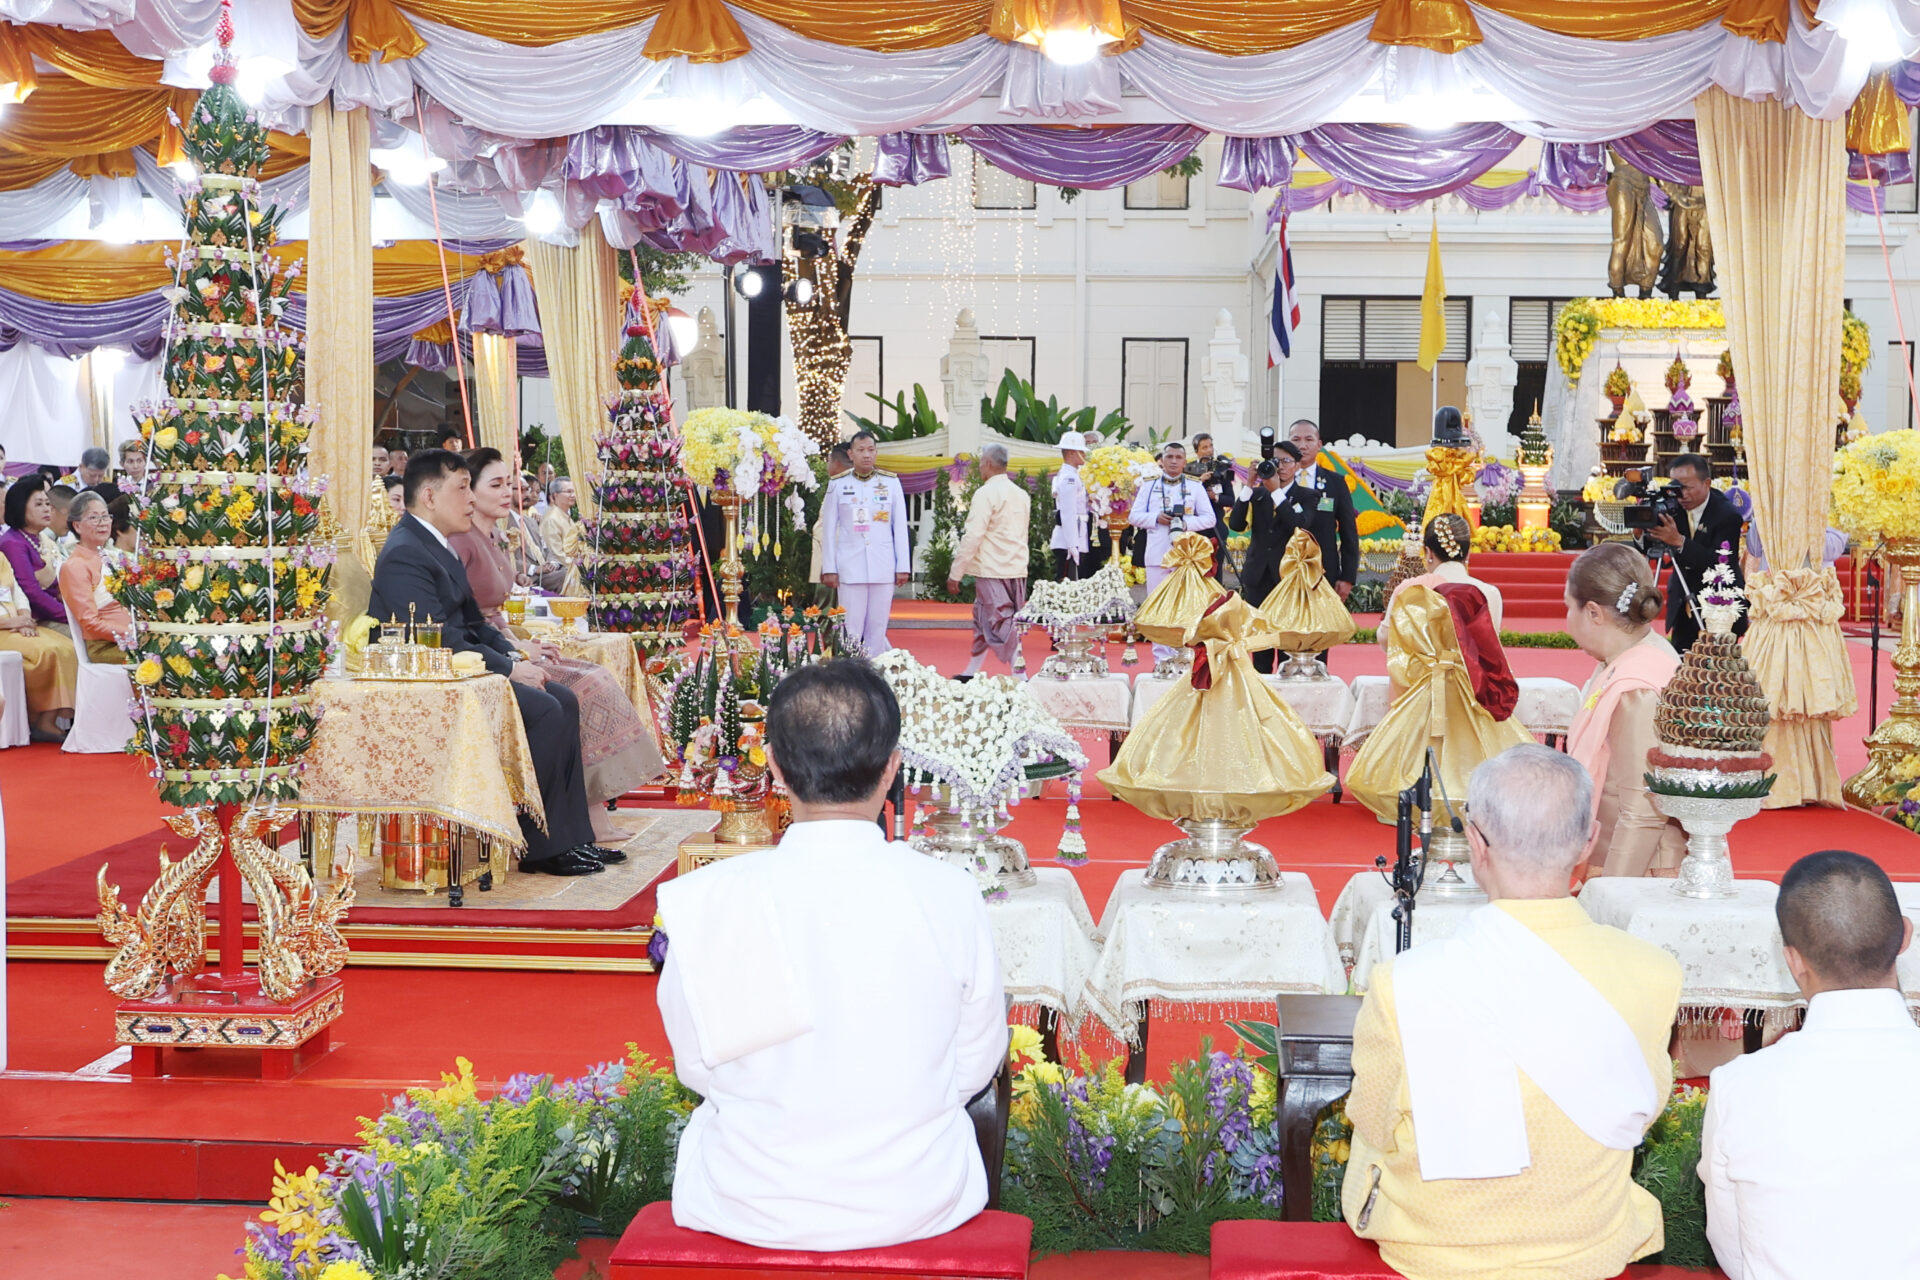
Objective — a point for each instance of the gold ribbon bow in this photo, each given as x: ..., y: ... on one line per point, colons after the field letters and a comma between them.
x: 1189, y: 551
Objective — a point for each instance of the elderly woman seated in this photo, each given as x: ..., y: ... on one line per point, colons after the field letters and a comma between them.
x: 97, y: 618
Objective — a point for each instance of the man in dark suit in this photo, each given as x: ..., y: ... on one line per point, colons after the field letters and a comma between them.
x: 1708, y: 521
x: 419, y: 576
x: 1275, y: 509
x: 1334, y: 523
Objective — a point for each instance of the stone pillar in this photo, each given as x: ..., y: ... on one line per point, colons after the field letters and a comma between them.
x: 965, y: 379
x: 703, y: 370
x: 1491, y: 376
x: 1223, y: 377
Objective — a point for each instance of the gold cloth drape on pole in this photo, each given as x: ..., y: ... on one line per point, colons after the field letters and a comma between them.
x: 1776, y: 208
x: 579, y: 291
x: 340, y: 334
x: 496, y: 387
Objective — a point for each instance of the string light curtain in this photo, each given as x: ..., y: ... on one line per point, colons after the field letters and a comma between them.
x: 339, y: 319
x: 1776, y: 208
x: 579, y: 291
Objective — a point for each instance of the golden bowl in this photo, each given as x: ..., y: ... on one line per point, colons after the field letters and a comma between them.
x: 568, y: 607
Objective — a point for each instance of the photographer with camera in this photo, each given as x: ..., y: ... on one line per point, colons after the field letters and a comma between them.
x: 1214, y: 471
x: 1274, y: 511
x: 1171, y: 503
x: 1692, y: 536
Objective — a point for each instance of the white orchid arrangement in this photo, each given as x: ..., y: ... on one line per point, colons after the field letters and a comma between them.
x: 976, y: 737
x: 1101, y: 597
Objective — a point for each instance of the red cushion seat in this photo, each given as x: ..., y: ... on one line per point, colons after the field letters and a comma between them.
x: 990, y: 1246
x: 1329, y: 1251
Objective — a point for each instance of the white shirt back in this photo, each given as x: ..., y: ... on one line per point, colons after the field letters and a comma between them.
x: 1812, y: 1147
x: 852, y: 1134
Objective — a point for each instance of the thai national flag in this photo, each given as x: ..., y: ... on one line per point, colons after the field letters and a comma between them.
x: 1286, y: 304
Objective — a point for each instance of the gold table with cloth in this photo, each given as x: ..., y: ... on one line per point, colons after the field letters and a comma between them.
x: 450, y: 752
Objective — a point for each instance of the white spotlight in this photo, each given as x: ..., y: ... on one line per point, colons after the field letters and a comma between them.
x: 749, y: 283
x: 1072, y: 46
x: 543, y: 214
x: 683, y: 329
x: 410, y: 164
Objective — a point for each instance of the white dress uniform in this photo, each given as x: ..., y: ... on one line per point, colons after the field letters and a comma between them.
x: 1070, y: 501
x: 865, y: 542
x: 1149, y: 500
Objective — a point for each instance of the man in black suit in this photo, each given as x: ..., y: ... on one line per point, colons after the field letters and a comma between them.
x: 1334, y: 523
x: 1711, y: 521
x: 1275, y: 509
x: 419, y: 576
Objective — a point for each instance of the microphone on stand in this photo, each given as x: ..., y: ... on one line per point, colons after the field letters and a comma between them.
x: 1410, y: 869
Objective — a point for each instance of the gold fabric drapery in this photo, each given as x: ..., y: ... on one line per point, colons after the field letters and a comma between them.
x: 82, y: 271
x: 1304, y: 608
x: 496, y: 388
x: 1233, y: 27
x: 1166, y: 615
x: 1776, y: 207
x: 579, y: 292
x: 1877, y: 120
x: 340, y: 335
x: 697, y: 30
x: 1436, y: 710
x: 66, y: 117
x: 1235, y: 751
x: 1452, y: 471
x: 91, y: 57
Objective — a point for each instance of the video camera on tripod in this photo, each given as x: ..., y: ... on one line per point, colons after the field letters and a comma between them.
x: 1643, y: 503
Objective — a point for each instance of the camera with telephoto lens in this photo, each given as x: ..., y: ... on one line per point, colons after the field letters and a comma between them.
x: 1267, y: 469
x: 1648, y: 502
x: 1267, y: 439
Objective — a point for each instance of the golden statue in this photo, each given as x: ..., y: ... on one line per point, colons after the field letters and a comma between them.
x: 381, y: 517
x: 1635, y: 258
x: 1688, y: 265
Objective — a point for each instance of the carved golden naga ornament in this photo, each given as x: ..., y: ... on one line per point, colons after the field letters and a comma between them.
x: 299, y: 927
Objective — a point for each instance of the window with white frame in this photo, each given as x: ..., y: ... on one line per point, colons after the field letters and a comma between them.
x: 997, y: 189
x: 1163, y: 190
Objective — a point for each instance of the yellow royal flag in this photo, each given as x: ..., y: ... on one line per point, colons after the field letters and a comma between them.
x: 1433, y: 305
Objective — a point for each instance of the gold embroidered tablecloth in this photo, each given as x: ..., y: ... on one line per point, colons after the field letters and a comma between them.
x: 449, y: 749
x: 617, y: 654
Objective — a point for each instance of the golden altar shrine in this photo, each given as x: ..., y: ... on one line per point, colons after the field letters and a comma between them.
x: 435, y: 771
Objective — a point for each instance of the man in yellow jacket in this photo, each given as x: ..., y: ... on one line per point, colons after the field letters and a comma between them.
x: 993, y: 548
x: 1503, y: 1076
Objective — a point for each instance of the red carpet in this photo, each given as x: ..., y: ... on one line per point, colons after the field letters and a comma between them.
x: 84, y: 1240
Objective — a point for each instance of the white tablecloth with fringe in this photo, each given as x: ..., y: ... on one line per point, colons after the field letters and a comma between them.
x: 1215, y: 955
x: 1091, y: 702
x: 1043, y: 934
x: 1547, y: 706
x: 1324, y: 706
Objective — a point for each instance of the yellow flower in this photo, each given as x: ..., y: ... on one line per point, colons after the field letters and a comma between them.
x: 1023, y: 1043
x: 181, y: 667
x: 166, y: 438
x: 345, y: 1271
x: 148, y: 672
x: 456, y: 1089
x: 757, y: 757
x: 194, y: 576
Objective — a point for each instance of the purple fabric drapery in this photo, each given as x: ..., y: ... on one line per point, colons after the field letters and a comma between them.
x: 1667, y: 149
x: 1579, y: 199
x: 73, y: 329
x: 1254, y: 164
x: 909, y: 159
x: 395, y: 320
x: 501, y: 303
x: 1570, y: 166
x: 1389, y: 158
x: 1906, y: 82
x: 1088, y: 159
x: 749, y: 149
x: 533, y: 356
x: 741, y: 206
x: 432, y: 356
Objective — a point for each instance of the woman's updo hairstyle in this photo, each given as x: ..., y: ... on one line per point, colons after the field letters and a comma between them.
x: 1615, y: 576
x: 1449, y: 537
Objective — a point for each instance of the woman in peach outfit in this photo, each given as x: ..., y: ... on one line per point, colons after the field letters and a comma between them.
x: 97, y: 617
x: 1611, y: 604
x: 50, y: 664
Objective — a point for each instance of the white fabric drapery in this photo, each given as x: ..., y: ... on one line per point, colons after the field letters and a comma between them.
x: 50, y: 411
x: 1573, y: 88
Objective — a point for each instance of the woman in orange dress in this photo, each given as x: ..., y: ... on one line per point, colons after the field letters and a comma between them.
x: 97, y: 617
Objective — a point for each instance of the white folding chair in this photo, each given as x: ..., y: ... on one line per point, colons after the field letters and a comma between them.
x: 14, y: 729
x: 101, y: 721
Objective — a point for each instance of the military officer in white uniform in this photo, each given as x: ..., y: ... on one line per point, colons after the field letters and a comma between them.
x: 1069, y: 541
x: 1170, y: 504
x: 865, y: 556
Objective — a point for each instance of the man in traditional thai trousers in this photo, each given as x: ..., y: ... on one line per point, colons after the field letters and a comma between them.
x: 993, y: 548
x: 864, y: 526
x: 1503, y: 1076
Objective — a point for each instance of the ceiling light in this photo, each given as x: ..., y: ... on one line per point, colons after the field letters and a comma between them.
x: 800, y: 292
x: 254, y: 75
x: 107, y: 361
x: 543, y: 214
x: 1073, y: 46
x: 410, y: 164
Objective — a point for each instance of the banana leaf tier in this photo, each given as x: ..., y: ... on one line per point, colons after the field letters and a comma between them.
x: 228, y: 590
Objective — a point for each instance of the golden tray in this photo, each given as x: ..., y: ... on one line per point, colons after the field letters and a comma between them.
x: 386, y: 679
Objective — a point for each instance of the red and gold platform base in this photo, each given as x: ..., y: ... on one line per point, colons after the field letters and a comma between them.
x: 208, y: 1011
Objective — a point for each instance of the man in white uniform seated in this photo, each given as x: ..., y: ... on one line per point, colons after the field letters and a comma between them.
x: 835, y: 1000
x: 1788, y: 1196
